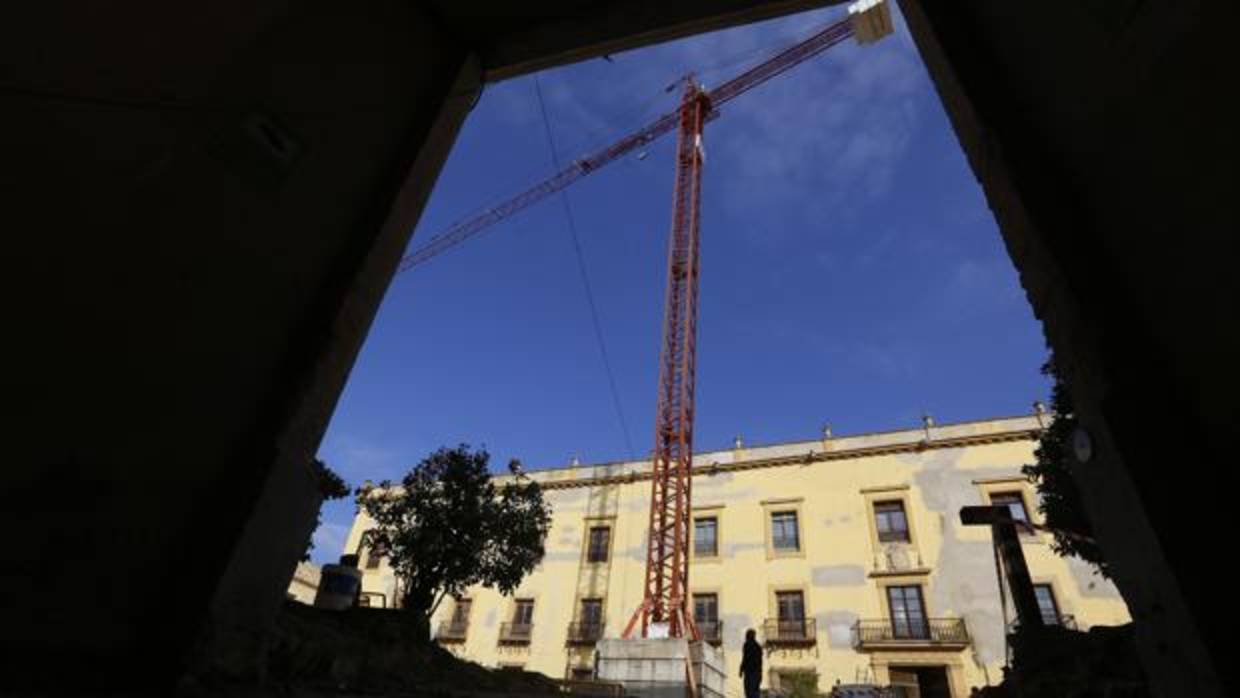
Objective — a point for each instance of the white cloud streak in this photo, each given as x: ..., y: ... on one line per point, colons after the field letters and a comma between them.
x: 825, y: 137
x: 329, y: 539
x: 357, y: 460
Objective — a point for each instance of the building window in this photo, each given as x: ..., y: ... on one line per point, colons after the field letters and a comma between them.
x: 1047, y: 604
x: 587, y: 628
x: 706, y: 616
x: 374, y: 555
x: 523, y: 612
x: 460, y: 613
x: 891, y: 522
x: 705, y: 540
x: 705, y: 608
x: 784, y: 533
x: 1014, y: 501
x: 908, y: 615
x: 790, y: 614
x: 592, y: 613
x: 600, y: 538
x: 519, y: 631
x: 457, y: 626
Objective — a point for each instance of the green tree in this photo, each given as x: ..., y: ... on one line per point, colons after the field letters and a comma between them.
x: 331, y: 486
x: 1061, y: 504
x: 448, y: 526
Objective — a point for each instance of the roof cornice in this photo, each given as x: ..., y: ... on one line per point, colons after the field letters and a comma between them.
x: 809, y: 458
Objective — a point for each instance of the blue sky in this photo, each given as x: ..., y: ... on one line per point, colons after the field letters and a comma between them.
x: 851, y: 270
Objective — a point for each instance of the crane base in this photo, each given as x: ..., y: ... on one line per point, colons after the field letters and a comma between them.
x: 658, y: 667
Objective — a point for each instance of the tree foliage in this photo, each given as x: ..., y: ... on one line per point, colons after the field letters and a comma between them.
x: 331, y: 486
x: 1052, y: 474
x: 448, y: 526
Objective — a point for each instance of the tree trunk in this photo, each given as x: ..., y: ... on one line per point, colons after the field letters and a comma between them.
x: 417, y: 606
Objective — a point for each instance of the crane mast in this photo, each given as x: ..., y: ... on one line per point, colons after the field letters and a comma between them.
x: 667, y: 566
x: 664, y: 609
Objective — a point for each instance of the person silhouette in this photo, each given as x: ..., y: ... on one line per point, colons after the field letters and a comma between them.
x: 751, y: 664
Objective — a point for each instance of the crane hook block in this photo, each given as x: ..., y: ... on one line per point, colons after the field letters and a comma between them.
x: 871, y: 20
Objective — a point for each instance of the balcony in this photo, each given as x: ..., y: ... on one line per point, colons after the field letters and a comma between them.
x: 1066, y: 621
x: 711, y: 630
x: 451, y: 631
x: 790, y: 632
x: 945, y: 633
x: 515, y: 633
x: 584, y: 633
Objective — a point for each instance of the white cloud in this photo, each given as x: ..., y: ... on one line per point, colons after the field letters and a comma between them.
x: 982, y: 286
x: 357, y: 460
x: 826, y: 136
x: 329, y: 539
x: 888, y: 361
x: 875, y: 248
x: 885, y: 359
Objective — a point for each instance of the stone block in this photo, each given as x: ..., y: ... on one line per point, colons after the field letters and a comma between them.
x: 658, y: 667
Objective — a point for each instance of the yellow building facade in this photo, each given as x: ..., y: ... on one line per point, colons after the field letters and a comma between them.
x: 304, y: 585
x: 845, y: 554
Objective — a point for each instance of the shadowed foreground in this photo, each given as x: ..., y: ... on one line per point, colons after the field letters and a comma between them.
x: 363, y: 651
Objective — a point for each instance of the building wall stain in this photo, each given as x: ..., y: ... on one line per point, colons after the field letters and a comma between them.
x: 837, y: 628
x: 839, y: 568
x: 838, y: 575
x: 944, y: 488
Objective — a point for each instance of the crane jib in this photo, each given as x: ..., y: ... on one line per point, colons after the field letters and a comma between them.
x: 468, y: 227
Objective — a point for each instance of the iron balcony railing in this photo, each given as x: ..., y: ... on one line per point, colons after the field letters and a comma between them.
x: 515, y: 633
x: 451, y: 631
x: 711, y: 630
x: 790, y: 631
x: 931, y: 632
x: 584, y: 633
x: 1065, y: 621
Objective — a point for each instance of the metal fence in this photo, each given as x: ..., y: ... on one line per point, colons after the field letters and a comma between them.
x: 790, y: 631
x: 1065, y: 621
x: 515, y: 633
x: 711, y: 630
x: 932, y: 631
x: 584, y: 633
x: 450, y: 631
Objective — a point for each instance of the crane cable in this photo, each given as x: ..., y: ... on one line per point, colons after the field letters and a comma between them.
x: 585, y: 278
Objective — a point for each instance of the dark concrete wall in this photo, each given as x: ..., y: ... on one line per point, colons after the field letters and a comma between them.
x: 186, y: 299
x: 1104, y: 145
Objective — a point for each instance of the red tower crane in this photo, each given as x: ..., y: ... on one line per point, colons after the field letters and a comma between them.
x: 663, y: 611
x: 667, y: 564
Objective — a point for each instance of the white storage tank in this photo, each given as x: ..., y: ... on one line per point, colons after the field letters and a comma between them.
x: 339, y: 585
